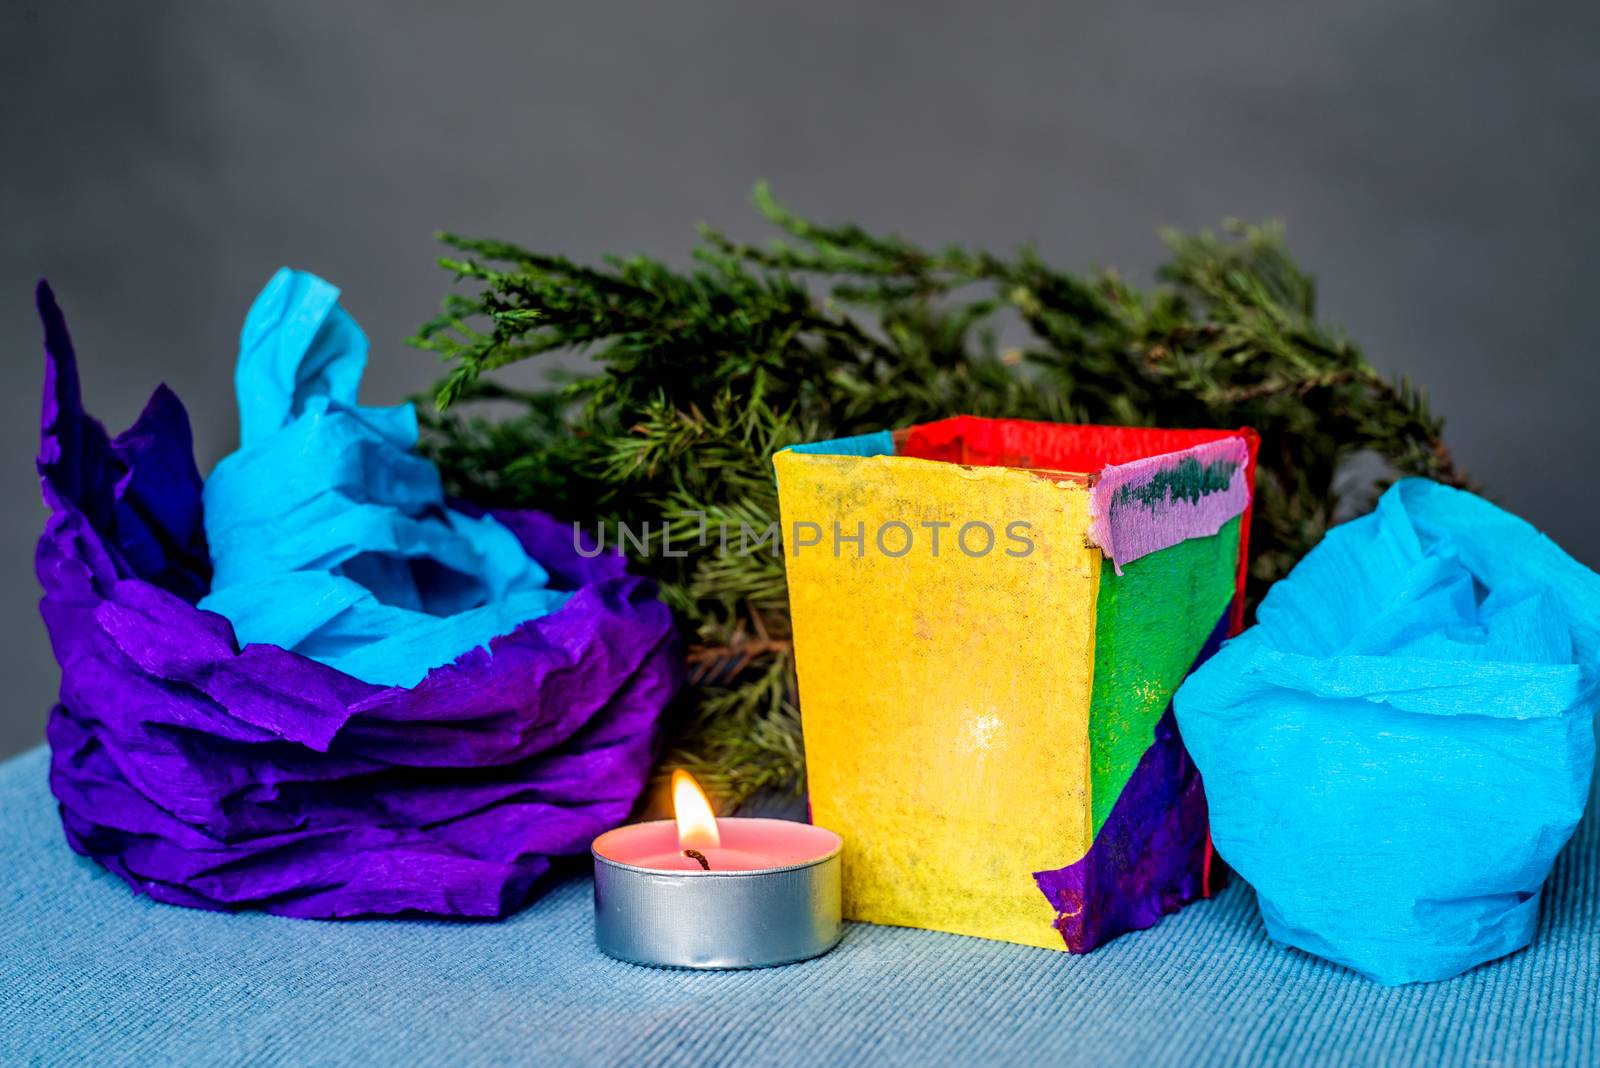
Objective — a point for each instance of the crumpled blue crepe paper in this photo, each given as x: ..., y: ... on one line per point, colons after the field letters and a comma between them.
x: 222, y: 775
x: 328, y: 535
x: 1397, y: 751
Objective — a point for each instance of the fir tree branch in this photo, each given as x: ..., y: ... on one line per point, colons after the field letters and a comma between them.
x: 701, y: 375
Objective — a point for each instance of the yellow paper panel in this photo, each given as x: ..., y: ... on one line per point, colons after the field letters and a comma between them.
x: 945, y: 700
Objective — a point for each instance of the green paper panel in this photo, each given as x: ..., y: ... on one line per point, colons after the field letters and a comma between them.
x: 1150, y: 623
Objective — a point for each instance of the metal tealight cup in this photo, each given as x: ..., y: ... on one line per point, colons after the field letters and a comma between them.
x: 718, y: 919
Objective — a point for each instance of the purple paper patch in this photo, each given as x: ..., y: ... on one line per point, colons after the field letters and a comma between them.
x: 1149, y: 858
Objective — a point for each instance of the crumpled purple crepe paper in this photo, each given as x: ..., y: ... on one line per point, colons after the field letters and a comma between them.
x: 218, y: 777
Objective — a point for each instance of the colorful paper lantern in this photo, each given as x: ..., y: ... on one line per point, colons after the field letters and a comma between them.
x: 990, y: 619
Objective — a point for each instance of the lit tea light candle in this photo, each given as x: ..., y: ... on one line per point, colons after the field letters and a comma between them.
x: 701, y: 892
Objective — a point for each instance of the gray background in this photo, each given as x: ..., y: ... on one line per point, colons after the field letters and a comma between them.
x: 1436, y: 161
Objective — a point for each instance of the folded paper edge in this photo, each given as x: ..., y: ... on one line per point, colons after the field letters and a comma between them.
x: 1142, y: 507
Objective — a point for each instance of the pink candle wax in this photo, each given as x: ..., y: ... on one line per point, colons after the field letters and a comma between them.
x: 747, y: 844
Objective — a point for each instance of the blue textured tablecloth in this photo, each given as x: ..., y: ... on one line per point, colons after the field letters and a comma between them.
x: 90, y: 974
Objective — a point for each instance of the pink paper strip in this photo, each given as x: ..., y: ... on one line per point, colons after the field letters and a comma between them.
x: 1142, y: 507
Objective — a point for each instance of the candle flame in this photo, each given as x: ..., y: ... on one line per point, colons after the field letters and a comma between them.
x: 697, y: 824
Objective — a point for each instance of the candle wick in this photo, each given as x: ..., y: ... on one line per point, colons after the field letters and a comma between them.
x: 695, y: 854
